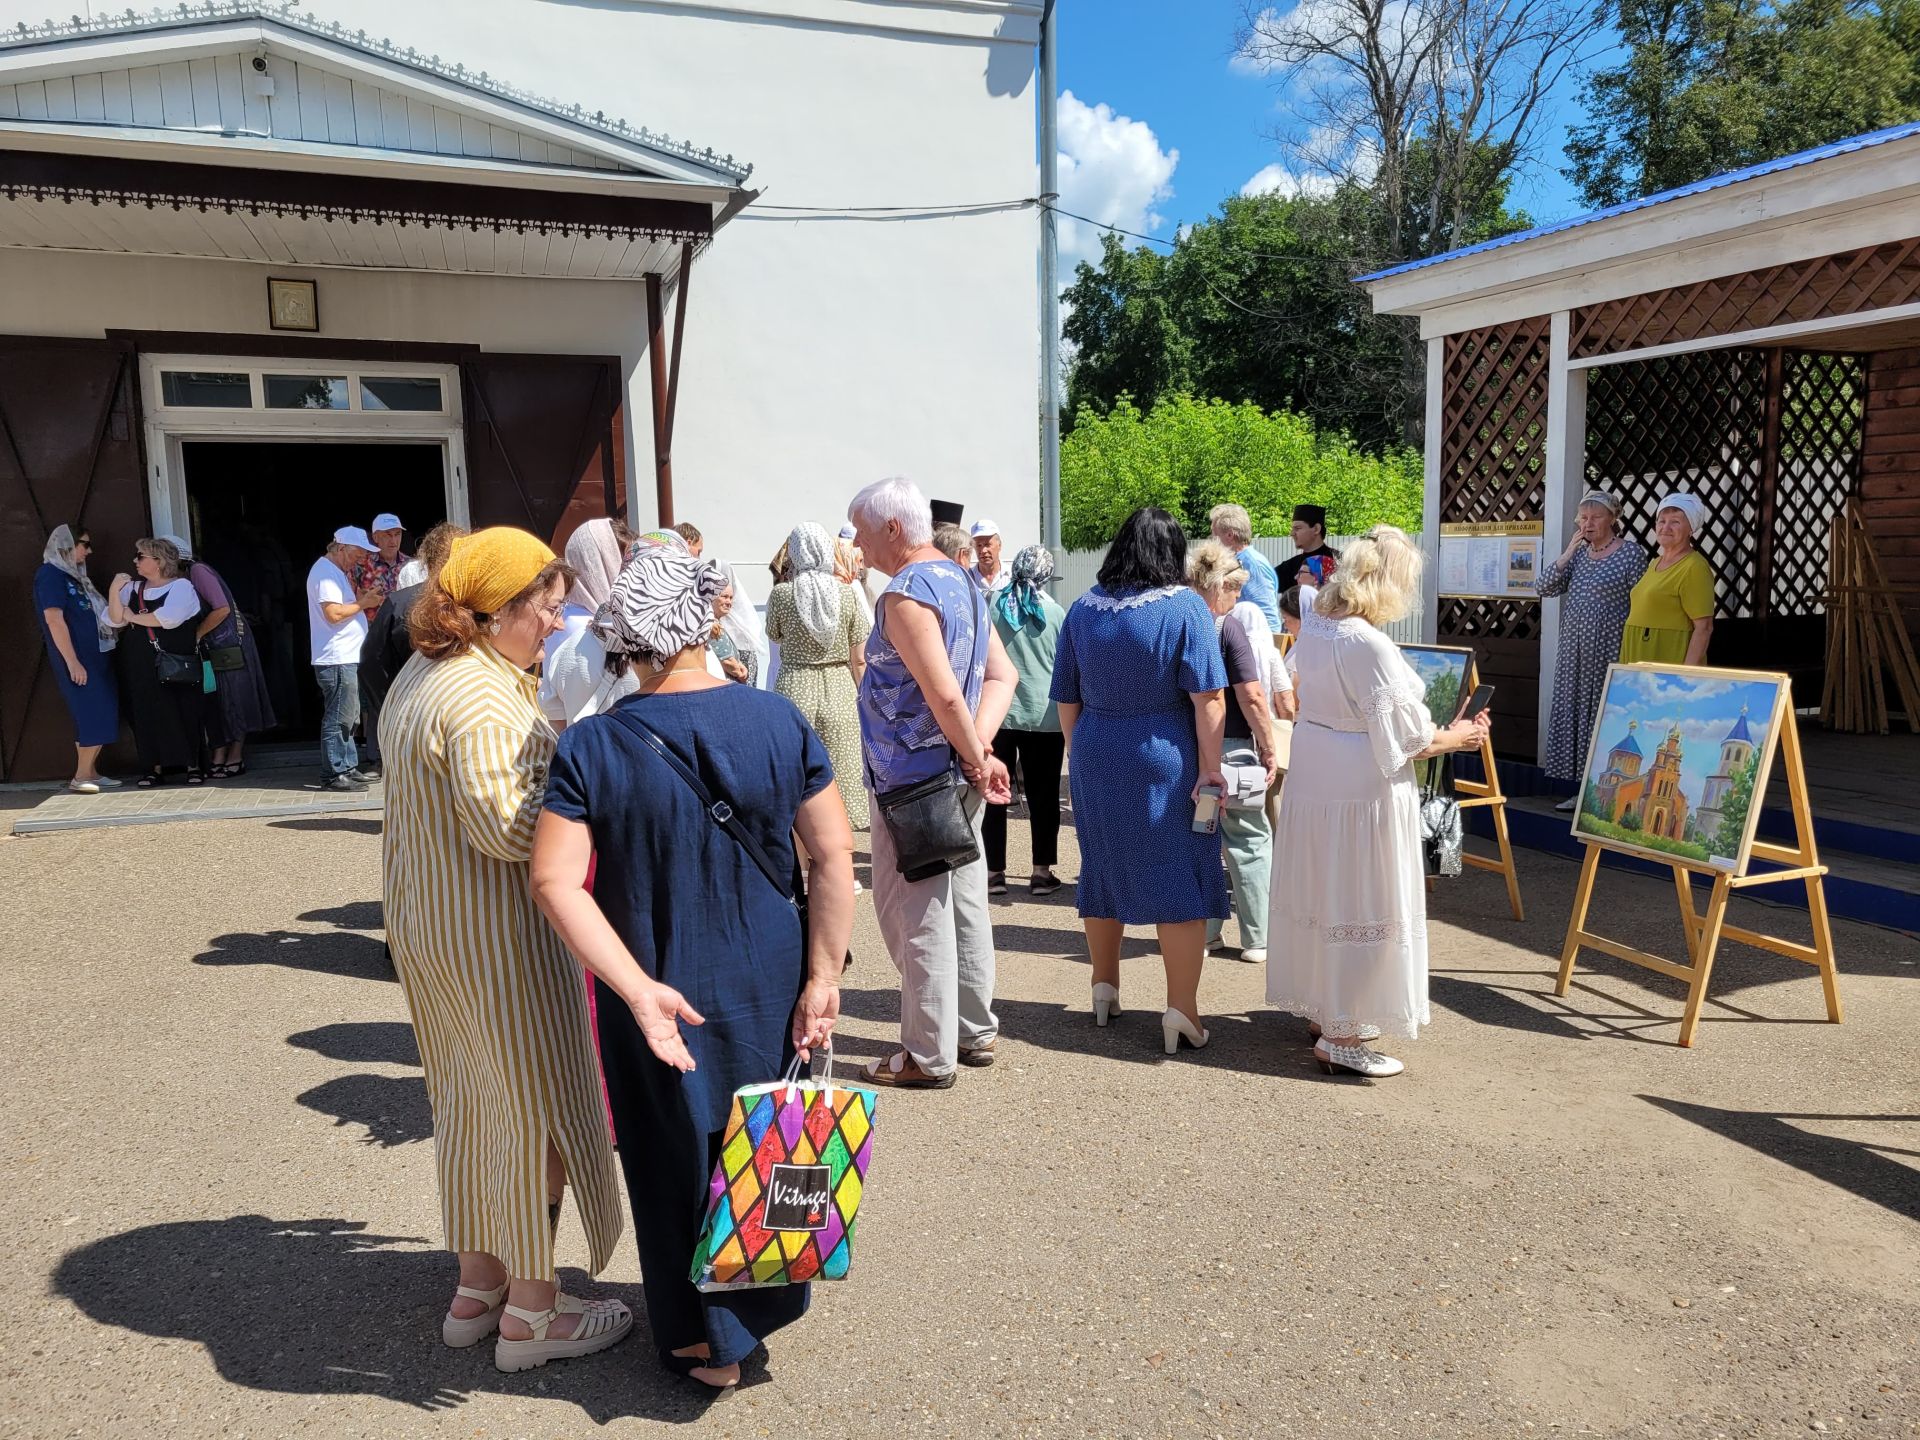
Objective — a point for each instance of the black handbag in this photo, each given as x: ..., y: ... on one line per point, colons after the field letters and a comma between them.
x: 794, y: 892
x: 177, y: 669
x: 927, y: 821
x: 1441, y: 827
x: 929, y: 826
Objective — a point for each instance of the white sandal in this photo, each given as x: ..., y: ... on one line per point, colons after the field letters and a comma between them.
x: 603, y: 1323
x: 460, y: 1333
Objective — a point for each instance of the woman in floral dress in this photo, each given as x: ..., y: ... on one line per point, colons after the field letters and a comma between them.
x: 1596, y: 573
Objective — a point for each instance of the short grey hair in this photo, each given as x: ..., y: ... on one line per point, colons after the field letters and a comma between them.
x: 898, y: 499
x: 1231, y: 522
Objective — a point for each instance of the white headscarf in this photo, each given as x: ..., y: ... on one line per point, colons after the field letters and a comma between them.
x: 816, y: 589
x: 593, y: 554
x: 1688, y: 505
x: 59, y: 554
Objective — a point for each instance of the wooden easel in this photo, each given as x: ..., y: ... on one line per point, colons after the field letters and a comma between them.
x: 1486, y: 794
x: 1706, y: 929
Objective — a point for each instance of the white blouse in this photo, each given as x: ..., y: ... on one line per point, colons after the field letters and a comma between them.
x: 174, y: 602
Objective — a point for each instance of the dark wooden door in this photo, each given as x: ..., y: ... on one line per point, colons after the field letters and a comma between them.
x: 69, y: 453
x: 543, y: 441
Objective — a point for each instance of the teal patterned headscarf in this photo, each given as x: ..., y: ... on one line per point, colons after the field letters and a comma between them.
x: 1020, y: 602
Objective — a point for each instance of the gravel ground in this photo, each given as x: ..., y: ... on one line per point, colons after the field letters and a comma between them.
x: 217, y: 1158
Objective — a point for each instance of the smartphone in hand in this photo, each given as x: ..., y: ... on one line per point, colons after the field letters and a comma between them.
x: 1481, y: 698
x: 1206, y: 810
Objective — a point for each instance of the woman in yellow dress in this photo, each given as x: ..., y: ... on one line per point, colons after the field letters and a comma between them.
x: 497, y: 1002
x: 1670, y: 616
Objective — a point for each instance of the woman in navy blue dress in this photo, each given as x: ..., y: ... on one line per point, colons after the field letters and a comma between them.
x: 72, y: 617
x: 701, y: 982
x: 1140, y: 681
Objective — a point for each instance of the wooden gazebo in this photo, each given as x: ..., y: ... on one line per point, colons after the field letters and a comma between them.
x: 1754, y: 338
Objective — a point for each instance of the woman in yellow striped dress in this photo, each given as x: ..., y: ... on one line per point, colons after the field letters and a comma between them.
x: 496, y: 999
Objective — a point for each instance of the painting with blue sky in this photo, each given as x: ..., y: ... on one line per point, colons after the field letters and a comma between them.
x: 1443, y: 670
x: 1679, y: 762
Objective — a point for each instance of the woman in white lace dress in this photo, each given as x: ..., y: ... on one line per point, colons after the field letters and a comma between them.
x: 1347, y: 942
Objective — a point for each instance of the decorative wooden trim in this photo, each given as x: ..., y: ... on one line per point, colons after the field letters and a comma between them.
x: 1826, y: 286
x: 114, y: 180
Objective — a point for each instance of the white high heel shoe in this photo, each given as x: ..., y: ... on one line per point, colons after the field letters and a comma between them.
x: 1106, y: 1002
x: 1175, y: 1027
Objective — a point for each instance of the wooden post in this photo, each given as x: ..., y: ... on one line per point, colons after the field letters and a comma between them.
x: 657, y: 365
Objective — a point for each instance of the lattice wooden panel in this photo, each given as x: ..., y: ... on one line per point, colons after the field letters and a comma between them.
x: 1826, y: 285
x: 1822, y: 436
x: 1464, y: 618
x: 1692, y: 422
x: 1493, y: 444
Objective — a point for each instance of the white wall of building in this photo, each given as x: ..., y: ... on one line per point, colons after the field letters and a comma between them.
x: 822, y: 352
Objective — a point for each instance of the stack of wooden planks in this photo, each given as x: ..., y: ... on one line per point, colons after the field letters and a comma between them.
x: 1867, y: 636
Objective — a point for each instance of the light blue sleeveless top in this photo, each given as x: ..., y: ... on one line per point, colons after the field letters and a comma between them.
x: 901, y: 738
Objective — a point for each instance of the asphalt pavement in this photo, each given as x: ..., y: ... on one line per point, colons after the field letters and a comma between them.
x: 219, y: 1164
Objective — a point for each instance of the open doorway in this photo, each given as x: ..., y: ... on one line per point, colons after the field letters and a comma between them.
x: 263, y: 512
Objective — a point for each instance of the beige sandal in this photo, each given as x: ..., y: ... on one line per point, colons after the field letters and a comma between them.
x: 603, y: 1324
x: 460, y: 1333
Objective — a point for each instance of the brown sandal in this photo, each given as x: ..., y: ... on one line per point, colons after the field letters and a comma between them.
x: 900, y: 1073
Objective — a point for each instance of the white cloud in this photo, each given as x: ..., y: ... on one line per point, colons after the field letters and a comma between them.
x: 1277, y: 179
x: 1112, y: 170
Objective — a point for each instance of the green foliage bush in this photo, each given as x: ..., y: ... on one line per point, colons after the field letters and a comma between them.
x: 1187, y: 455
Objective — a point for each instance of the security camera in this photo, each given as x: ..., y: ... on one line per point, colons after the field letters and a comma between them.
x: 260, y: 64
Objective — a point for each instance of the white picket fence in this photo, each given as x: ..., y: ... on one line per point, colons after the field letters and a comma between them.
x: 1077, y: 570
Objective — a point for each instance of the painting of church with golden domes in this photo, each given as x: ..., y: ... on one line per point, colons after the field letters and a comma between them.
x: 1679, y: 760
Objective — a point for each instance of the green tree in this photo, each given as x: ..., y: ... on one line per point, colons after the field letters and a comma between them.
x: 1707, y: 86
x: 1257, y: 304
x: 1187, y: 455
x: 1733, y: 814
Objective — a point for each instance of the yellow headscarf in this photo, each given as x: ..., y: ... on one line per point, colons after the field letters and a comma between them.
x: 485, y: 570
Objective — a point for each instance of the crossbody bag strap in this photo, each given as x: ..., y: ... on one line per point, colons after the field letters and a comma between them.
x: 718, y: 811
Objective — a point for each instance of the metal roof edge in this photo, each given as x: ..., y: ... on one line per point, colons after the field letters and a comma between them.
x: 286, y: 13
x: 1713, y: 182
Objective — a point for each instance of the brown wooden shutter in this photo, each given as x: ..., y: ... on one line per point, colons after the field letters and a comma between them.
x: 69, y: 453
x: 542, y: 441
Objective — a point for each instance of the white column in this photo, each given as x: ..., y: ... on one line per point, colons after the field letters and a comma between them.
x: 1430, y: 512
x: 1565, y: 482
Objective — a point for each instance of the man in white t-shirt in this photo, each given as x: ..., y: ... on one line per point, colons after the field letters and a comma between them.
x: 988, y: 571
x: 337, y: 626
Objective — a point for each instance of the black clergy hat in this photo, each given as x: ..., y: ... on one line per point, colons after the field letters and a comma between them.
x: 1311, y: 515
x: 946, y: 512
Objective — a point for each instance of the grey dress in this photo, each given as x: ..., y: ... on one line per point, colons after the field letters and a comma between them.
x: 1597, y: 593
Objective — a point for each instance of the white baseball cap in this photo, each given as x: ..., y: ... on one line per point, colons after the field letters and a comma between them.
x: 983, y: 528
x: 847, y: 532
x: 386, y: 520
x: 354, y: 535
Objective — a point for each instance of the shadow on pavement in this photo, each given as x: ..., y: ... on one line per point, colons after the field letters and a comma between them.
x: 392, y: 1111
x: 322, y: 1307
x: 355, y: 957
x: 1855, y: 1166
x: 329, y: 822
x: 388, y: 1042
x: 356, y: 915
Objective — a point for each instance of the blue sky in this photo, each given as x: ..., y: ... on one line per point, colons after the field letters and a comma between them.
x: 1164, y: 66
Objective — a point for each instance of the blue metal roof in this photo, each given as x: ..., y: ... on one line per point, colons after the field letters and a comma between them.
x: 1712, y: 182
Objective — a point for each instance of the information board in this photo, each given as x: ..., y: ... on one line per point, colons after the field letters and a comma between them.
x: 1501, y: 558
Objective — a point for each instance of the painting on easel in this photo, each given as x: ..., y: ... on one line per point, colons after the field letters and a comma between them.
x: 1679, y: 762
x: 1443, y: 670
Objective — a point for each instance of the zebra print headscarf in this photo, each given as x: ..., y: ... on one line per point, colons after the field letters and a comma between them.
x: 660, y: 604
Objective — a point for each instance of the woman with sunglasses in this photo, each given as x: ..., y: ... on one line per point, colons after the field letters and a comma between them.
x: 73, y: 622
x: 160, y: 663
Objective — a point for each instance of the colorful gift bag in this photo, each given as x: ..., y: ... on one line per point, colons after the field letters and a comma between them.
x: 786, y: 1189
